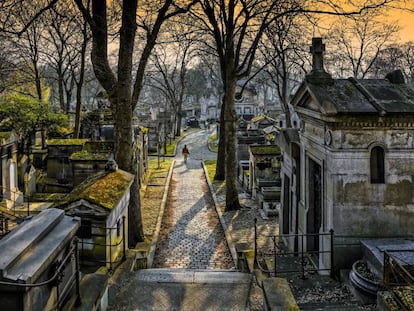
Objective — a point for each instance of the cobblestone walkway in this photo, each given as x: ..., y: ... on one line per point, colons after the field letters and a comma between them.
x: 191, y: 236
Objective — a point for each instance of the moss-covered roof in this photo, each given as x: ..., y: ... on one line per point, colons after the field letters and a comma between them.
x: 85, y: 155
x: 104, y: 189
x: 143, y: 129
x: 48, y: 197
x: 67, y: 141
x: 99, y: 146
x: 264, y: 149
x: 261, y: 118
x: 5, y: 135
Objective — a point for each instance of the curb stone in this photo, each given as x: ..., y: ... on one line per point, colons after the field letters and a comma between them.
x: 159, y: 219
x: 220, y: 215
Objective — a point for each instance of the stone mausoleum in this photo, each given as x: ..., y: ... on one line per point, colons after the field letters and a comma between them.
x: 38, y: 264
x: 350, y: 164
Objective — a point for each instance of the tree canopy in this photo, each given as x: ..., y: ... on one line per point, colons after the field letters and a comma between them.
x: 24, y: 115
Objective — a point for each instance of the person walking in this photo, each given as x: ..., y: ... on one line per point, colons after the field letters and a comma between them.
x: 185, y: 152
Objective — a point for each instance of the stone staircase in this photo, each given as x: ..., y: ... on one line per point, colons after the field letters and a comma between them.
x: 166, y: 275
x: 182, y: 289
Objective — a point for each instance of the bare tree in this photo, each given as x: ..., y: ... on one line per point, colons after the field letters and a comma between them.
x: 284, y: 57
x: 7, y: 63
x: 236, y: 27
x: 356, y: 41
x: 27, y: 47
x: 68, y: 37
x: 171, y: 62
x: 122, y: 96
x: 408, y: 60
x: 389, y: 59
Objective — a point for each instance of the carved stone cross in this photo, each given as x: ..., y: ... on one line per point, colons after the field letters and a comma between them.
x: 317, y: 50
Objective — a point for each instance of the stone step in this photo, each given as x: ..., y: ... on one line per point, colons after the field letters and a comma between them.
x: 330, y: 307
x: 192, y: 276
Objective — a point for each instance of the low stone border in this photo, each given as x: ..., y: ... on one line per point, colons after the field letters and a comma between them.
x: 278, y: 295
x: 226, y: 230
x: 159, y: 219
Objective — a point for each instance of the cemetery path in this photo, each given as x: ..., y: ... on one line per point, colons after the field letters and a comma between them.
x: 191, y: 236
x: 193, y: 268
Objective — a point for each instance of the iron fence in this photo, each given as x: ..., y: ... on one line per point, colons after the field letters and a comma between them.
x: 278, y: 259
x: 398, y: 277
x: 83, y: 254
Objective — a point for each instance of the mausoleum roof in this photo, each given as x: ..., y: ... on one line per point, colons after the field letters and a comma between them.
x: 351, y: 96
x: 264, y: 149
x: 261, y: 118
x: 104, y: 189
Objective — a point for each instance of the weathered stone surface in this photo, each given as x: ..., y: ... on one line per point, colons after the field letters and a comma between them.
x: 278, y: 295
x: 373, y: 251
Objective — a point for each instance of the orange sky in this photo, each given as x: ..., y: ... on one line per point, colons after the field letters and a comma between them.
x: 406, y: 21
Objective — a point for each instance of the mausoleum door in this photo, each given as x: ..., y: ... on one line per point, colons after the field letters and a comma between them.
x: 294, y: 218
x: 314, y: 215
x: 286, y: 204
x: 1, y: 180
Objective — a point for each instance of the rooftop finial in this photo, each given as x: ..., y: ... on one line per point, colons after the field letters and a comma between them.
x: 318, y: 74
x: 317, y: 50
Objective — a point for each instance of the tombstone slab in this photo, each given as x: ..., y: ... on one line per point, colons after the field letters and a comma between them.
x: 373, y: 251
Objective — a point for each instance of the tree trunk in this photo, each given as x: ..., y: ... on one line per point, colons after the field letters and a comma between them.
x: 178, y: 124
x: 38, y: 82
x: 285, y: 108
x: 230, y: 121
x: 60, y: 81
x: 125, y: 147
x: 221, y: 154
x: 120, y: 97
x: 79, y: 83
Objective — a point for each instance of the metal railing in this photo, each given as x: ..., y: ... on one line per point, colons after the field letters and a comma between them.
x: 5, y: 191
x: 305, y: 259
x: 108, y: 233
x: 398, y: 277
x: 58, y: 276
x: 4, y: 224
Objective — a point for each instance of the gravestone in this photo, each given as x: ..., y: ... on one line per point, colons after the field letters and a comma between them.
x: 373, y: 253
x: 11, y: 192
x: 30, y: 181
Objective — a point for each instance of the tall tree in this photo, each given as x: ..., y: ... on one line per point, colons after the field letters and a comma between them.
x: 123, y: 88
x: 170, y: 63
x: 393, y: 57
x: 408, y: 60
x: 285, y: 59
x: 8, y: 63
x: 236, y: 27
x: 26, y: 115
x: 356, y: 41
x: 28, y: 48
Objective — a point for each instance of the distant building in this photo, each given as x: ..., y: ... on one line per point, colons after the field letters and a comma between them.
x: 248, y: 103
x: 210, y: 110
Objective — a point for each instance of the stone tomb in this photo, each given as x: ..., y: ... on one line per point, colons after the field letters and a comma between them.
x: 37, y: 263
x: 373, y: 253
